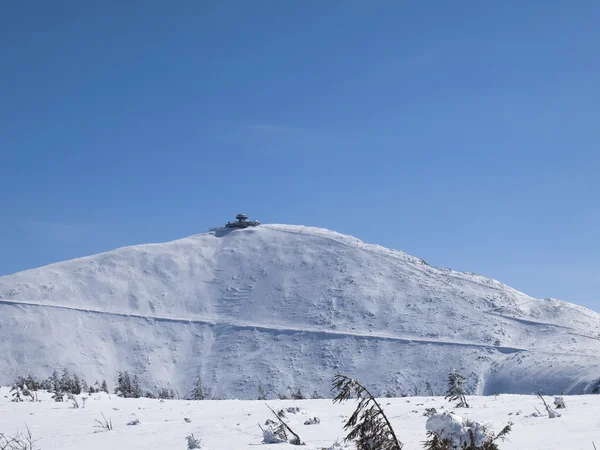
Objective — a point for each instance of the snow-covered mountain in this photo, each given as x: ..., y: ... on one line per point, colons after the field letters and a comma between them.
x: 286, y: 307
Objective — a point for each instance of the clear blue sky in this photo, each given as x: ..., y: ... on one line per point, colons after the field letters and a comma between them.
x: 463, y: 132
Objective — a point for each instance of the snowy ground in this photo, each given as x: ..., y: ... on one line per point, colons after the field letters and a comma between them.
x: 232, y: 424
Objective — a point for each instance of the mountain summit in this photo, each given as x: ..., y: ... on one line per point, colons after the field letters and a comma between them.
x: 286, y: 307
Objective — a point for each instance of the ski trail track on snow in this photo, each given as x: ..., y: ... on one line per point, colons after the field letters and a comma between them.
x: 268, y: 328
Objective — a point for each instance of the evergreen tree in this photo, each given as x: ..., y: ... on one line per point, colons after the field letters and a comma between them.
x: 56, y: 387
x: 104, y: 387
x: 54, y: 381
x: 198, y: 393
x: 456, y: 389
x: 368, y: 426
x: 261, y: 393
x: 166, y: 394
x: 66, y: 382
x: 32, y: 383
x: 136, y: 392
x: 75, y: 385
x: 123, y: 388
x: 46, y: 384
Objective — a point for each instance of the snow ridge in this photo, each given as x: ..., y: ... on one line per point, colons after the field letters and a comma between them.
x: 287, y: 306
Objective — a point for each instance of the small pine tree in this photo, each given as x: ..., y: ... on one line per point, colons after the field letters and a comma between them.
x: 123, y: 388
x: 136, y: 391
x: 46, y: 385
x: 198, y: 393
x: 54, y: 381
x: 369, y: 426
x: 32, y: 383
x: 456, y: 389
x: 428, y: 388
x: 75, y: 385
x: 166, y: 394
x: 104, y: 387
x: 261, y: 393
x: 316, y: 395
x: 298, y: 395
x: 66, y: 382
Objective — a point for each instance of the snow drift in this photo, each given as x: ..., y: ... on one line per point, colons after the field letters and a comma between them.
x: 286, y: 307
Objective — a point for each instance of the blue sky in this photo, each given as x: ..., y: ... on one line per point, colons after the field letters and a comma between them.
x: 462, y: 132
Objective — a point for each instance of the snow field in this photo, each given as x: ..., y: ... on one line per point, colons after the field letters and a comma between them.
x: 232, y: 424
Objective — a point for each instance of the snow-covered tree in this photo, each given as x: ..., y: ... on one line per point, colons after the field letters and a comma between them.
x: 54, y: 382
x: 198, y: 393
x: 456, y: 389
x: 448, y: 431
x: 166, y: 394
x: 193, y: 443
x: 104, y: 387
x: 136, y: 391
x: 75, y: 385
x: 261, y: 392
x: 66, y: 382
x: 123, y: 388
x: 297, y: 394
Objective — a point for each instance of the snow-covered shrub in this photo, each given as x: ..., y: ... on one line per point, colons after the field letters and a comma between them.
x: 559, y: 402
x: 192, y: 442
x: 274, y: 434
x: 16, y: 394
x: 28, y: 386
x: 448, y: 431
x: 456, y: 389
x: 312, y: 421
x: 134, y: 422
x: 429, y: 412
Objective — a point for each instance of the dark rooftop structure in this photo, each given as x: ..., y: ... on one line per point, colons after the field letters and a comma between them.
x: 242, y: 222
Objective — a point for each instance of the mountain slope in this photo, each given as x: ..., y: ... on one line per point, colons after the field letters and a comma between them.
x: 287, y: 306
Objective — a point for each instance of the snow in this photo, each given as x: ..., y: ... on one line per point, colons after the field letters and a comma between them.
x: 457, y: 430
x: 286, y: 307
x: 233, y: 424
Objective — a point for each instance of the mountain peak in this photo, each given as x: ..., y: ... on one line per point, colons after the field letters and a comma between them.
x: 286, y: 306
